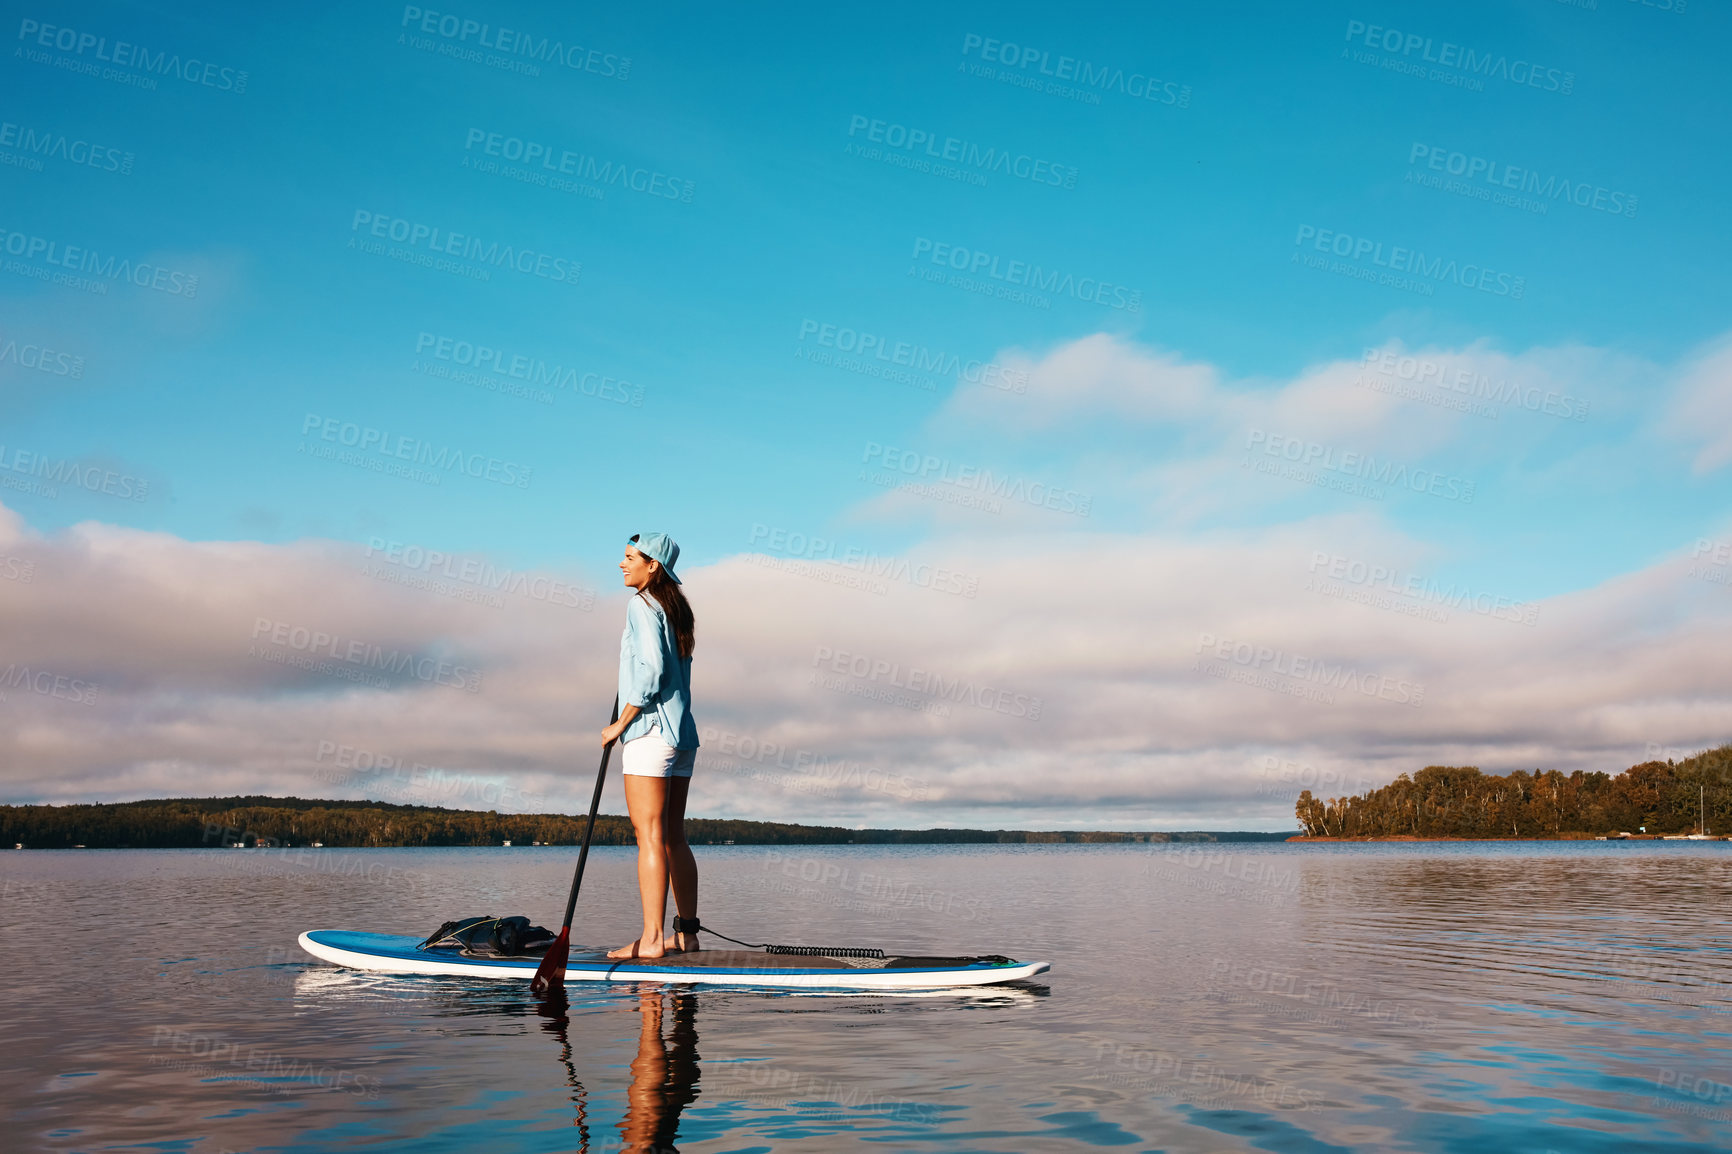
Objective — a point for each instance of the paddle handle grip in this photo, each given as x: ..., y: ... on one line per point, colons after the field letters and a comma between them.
x: 589, y: 829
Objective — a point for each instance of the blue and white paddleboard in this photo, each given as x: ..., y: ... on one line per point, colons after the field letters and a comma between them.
x: 398, y: 954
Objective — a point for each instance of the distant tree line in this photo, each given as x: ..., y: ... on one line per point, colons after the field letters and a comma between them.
x: 184, y: 823
x: 1460, y: 801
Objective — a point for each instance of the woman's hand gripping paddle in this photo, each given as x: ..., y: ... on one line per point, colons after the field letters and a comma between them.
x: 551, y: 972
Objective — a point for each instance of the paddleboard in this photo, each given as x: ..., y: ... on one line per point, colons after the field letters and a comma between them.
x: 397, y: 954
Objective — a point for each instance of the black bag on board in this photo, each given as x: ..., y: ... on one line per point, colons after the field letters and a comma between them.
x: 488, y: 937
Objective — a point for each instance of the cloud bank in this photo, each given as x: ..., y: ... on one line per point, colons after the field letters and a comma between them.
x: 1266, y: 593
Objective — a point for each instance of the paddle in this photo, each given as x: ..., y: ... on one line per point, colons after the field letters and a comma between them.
x: 552, y: 968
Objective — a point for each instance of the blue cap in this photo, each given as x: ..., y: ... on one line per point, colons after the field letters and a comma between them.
x: 659, y: 547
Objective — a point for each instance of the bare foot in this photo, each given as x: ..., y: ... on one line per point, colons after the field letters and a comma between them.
x: 681, y: 943
x: 638, y: 950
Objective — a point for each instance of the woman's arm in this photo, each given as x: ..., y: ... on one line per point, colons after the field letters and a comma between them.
x: 642, y: 680
x: 626, y: 715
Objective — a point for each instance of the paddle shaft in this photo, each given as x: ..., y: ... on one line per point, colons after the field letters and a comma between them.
x: 589, y: 829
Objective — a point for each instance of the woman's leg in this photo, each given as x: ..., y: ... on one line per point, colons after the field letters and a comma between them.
x: 682, y: 866
x: 646, y: 800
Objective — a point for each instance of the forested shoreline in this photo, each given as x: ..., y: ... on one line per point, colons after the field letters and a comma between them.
x: 1656, y: 797
x: 187, y: 823
x: 1441, y: 801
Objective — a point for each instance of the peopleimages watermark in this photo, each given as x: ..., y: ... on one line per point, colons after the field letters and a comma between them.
x: 86, y: 269
x: 563, y: 170
x: 910, y: 470
x: 1228, y: 873
x: 381, y: 451
x: 925, y: 150
x: 877, y: 893
x: 1299, y: 675
x: 463, y: 254
x: 466, y: 578
x: 777, y: 1087
x: 828, y: 574
x: 1365, y: 582
x: 1346, y: 471
x: 1507, y: 184
x: 40, y: 475
x: 869, y: 565
x: 1037, y: 69
x: 1405, y: 375
x: 510, y: 49
x: 1457, y: 66
x: 308, y: 644
x: 976, y: 270
x: 515, y: 373
x: 1714, y: 768
x: 1663, y: 5
x: 1394, y: 384
x: 275, y: 857
x: 1307, y: 998
x: 1698, y: 983
x: 1202, y: 1084
x: 212, y: 1057
x: 41, y: 358
x: 1654, y: 751
x: 47, y: 683
x: 1377, y: 600
x: 356, y: 767
x: 1704, y: 1091
x: 126, y: 61
x: 807, y: 770
x: 1716, y: 570
x: 1402, y: 268
x: 903, y: 362
x: 798, y: 783
x: 1283, y: 776
x: 19, y: 891
x: 890, y: 675
x: 34, y: 145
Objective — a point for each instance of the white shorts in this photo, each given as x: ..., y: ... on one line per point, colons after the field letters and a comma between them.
x: 650, y: 756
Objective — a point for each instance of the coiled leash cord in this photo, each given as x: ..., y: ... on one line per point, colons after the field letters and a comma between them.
x: 692, y: 926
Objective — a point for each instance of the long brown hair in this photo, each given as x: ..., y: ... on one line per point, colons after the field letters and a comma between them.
x: 667, y: 593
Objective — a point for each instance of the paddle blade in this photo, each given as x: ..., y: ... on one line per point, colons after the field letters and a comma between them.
x: 550, y: 975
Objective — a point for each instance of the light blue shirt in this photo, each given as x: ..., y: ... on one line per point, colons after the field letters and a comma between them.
x: 654, y: 677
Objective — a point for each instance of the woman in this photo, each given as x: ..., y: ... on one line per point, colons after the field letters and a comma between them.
x: 661, y: 741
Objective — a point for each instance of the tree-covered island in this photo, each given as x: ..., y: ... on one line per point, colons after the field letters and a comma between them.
x: 1441, y: 801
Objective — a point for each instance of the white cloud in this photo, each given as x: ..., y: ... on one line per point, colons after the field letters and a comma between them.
x: 1702, y: 412
x: 1096, y: 376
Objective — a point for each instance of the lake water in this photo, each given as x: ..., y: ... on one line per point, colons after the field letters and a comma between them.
x: 1472, y: 997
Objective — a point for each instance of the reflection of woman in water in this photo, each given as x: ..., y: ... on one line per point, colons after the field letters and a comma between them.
x: 664, y: 1075
x: 556, y: 1010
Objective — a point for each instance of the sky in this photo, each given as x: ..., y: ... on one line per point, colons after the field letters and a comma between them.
x: 1078, y: 416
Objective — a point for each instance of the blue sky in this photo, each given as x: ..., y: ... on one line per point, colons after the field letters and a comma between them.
x: 1279, y: 128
